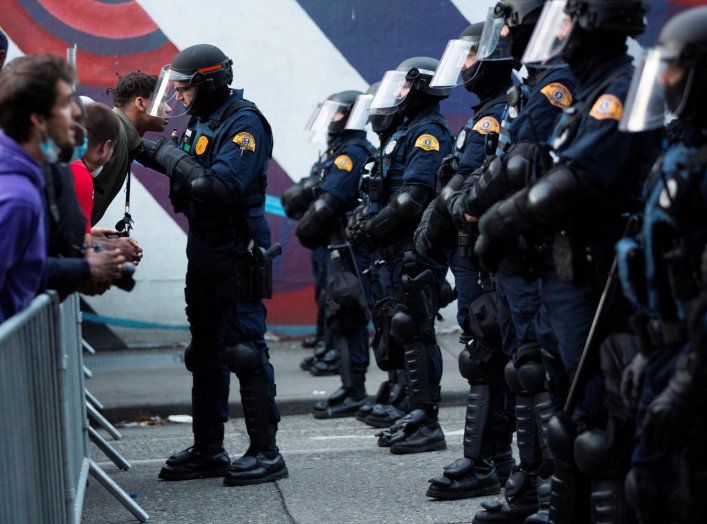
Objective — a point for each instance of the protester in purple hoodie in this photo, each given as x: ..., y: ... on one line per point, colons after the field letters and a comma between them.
x: 37, y: 111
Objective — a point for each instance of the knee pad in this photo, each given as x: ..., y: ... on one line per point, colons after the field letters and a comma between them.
x: 403, y: 328
x: 196, y: 361
x: 592, y: 455
x: 244, y: 358
x: 530, y: 370
x: 480, y: 371
x: 561, y: 434
x: 511, y: 374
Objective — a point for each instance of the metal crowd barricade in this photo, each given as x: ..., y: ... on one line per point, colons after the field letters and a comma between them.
x: 43, y: 424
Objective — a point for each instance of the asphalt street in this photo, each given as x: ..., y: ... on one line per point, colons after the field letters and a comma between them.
x: 337, y: 471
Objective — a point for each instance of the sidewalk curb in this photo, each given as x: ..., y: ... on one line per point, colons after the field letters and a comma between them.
x: 295, y: 406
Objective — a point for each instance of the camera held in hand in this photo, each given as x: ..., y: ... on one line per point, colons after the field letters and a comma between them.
x: 126, y: 282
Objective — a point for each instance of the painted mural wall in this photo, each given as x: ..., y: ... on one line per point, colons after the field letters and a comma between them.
x: 288, y: 55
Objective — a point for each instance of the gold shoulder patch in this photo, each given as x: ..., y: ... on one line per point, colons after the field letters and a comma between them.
x: 201, y: 145
x: 487, y: 125
x: 607, y: 106
x: 557, y: 94
x: 427, y: 142
x: 245, y: 141
x: 344, y: 162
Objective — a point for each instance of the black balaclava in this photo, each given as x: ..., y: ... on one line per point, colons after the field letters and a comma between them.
x: 485, y: 79
x: 208, y: 103
x: 588, y: 49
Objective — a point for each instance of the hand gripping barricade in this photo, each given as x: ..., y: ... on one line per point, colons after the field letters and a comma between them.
x: 45, y: 449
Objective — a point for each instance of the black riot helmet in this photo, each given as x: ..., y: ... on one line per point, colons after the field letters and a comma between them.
x: 207, y: 70
x: 672, y: 76
x: 683, y: 41
x: 381, y: 124
x: 345, y: 101
x: 487, y: 75
x: 407, y: 88
x: 584, y: 33
x: 520, y: 17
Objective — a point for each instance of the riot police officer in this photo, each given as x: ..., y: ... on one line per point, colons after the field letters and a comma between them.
x: 579, y: 203
x: 662, y: 273
x: 322, y: 225
x: 487, y: 434
x: 217, y: 179
x: 411, y: 157
x: 527, y: 123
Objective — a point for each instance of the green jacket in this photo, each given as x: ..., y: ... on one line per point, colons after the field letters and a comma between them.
x: 108, y: 183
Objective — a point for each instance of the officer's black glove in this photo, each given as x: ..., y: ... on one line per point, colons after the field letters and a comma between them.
x: 357, y: 232
x: 435, y: 231
x: 457, y: 209
x: 164, y: 152
x: 445, y: 172
x: 632, y: 382
x: 670, y: 413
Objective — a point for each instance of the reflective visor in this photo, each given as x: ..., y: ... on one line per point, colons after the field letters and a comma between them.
x: 645, y: 103
x: 494, y: 43
x: 359, y: 113
x: 326, y: 114
x: 455, y: 55
x: 164, y: 103
x: 390, y: 94
x: 550, y: 35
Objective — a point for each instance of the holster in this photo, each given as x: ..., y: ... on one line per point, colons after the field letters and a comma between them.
x: 254, y: 273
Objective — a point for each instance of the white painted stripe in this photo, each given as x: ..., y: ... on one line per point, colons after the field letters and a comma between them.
x: 281, y: 58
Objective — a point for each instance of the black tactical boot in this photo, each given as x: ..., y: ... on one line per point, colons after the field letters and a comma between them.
x: 521, y: 501
x: 387, y: 413
x: 416, y: 432
x: 262, y: 467
x: 196, y: 464
x: 465, y: 478
x: 367, y: 409
x: 311, y: 341
x: 262, y: 462
x: 327, y: 365
x: 319, y: 351
x: 205, y: 459
x: 503, y: 456
x: 344, y: 402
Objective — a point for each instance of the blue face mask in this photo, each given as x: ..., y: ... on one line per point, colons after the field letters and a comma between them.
x: 79, y: 150
x: 50, y: 151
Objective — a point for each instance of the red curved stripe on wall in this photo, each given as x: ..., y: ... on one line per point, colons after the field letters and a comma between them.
x: 108, y: 20
x: 296, y: 308
x: 93, y: 70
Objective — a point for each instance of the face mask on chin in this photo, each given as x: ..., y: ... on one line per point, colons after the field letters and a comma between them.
x: 50, y: 151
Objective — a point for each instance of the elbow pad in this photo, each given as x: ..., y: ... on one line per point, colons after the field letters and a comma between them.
x: 506, y: 219
x: 208, y: 188
x: 297, y: 198
x: 403, y: 212
x: 553, y: 195
x: 314, y: 226
x: 517, y: 171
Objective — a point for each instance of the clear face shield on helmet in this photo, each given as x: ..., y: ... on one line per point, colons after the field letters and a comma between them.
x: 324, y: 114
x: 458, y: 55
x: 168, y: 100
x: 391, y: 93
x: 358, y: 118
x: 494, y: 43
x: 646, y: 106
x: 550, y: 36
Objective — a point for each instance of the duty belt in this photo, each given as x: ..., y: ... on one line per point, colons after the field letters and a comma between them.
x: 217, y: 229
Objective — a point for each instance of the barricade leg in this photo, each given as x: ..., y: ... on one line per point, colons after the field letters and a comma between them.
x: 109, y: 451
x: 118, y: 492
x: 93, y: 400
x: 94, y: 415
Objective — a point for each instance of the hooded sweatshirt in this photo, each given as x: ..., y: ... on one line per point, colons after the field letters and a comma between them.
x: 23, y: 240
